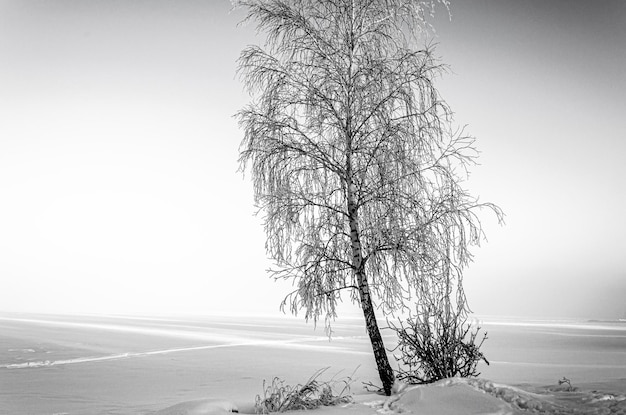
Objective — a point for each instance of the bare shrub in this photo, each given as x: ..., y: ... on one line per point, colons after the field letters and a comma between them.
x: 435, y: 346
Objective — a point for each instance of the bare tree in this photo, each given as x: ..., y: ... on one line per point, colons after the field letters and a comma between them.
x: 353, y: 156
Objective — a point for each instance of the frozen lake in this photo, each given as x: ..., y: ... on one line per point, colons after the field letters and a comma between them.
x: 121, y: 365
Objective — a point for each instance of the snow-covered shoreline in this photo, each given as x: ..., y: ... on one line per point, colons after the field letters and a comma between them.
x: 107, y: 365
x: 447, y: 397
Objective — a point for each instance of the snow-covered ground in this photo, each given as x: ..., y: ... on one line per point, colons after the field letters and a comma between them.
x: 448, y: 397
x: 66, y: 365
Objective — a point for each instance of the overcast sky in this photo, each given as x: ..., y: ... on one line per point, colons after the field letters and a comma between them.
x: 119, y: 189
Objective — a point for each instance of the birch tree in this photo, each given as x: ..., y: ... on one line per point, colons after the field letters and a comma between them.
x: 355, y: 162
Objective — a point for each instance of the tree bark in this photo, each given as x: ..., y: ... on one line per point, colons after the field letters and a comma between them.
x: 380, y: 353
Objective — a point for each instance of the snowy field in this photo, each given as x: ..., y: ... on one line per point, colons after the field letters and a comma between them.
x: 67, y: 365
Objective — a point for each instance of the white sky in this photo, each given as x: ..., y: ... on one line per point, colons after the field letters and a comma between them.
x: 119, y: 189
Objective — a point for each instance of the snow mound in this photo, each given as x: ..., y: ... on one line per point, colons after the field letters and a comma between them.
x: 450, y: 397
x: 200, y: 407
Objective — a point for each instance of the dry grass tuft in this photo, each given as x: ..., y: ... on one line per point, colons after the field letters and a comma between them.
x: 278, y: 397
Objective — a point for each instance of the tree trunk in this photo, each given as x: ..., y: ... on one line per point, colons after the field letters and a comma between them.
x: 380, y: 354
